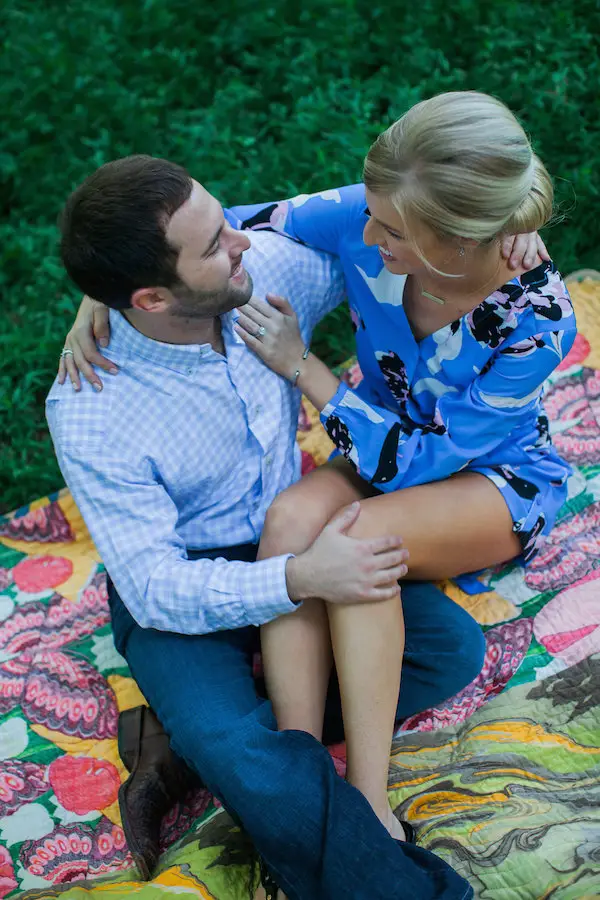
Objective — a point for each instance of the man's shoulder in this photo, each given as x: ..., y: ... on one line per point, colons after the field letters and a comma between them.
x: 79, y: 417
x: 86, y: 418
x: 280, y: 264
x: 269, y: 246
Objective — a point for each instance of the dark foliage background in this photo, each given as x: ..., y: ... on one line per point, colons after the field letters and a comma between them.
x: 258, y: 100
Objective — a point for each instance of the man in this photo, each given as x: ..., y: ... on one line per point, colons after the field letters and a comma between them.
x: 174, y: 466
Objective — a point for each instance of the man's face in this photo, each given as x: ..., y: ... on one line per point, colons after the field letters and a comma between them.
x: 212, y: 277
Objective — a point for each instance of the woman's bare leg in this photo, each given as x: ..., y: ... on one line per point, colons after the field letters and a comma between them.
x: 296, y: 649
x: 297, y: 663
x: 449, y: 527
x: 368, y: 646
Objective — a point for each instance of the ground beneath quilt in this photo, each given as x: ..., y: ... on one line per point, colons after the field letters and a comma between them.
x: 503, y: 780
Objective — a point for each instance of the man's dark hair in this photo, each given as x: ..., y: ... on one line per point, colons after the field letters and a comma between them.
x: 113, y: 228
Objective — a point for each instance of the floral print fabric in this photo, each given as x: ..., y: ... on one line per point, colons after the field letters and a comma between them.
x: 468, y: 396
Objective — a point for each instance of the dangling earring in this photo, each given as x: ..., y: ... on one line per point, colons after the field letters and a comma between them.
x: 461, y: 251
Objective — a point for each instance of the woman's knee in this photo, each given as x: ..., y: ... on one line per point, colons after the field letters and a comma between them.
x: 293, y: 521
x: 298, y: 515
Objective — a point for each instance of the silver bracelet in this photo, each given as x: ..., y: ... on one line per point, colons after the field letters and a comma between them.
x: 297, y: 372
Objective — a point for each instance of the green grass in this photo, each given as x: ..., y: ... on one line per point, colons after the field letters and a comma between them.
x: 258, y: 100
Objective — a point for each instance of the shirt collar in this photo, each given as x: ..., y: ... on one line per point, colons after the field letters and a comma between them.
x: 129, y: 341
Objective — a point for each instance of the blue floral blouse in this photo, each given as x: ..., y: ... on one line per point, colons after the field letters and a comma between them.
x: 467, y: 397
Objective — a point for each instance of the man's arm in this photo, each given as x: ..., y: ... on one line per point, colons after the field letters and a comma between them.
x: 133, y: 522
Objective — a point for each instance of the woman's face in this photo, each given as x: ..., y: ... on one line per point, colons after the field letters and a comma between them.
x: 385, y: 229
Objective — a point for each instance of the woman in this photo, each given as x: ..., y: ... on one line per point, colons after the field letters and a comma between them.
x: 445, y: 439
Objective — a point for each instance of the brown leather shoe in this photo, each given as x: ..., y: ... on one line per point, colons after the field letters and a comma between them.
x: 158, y: 779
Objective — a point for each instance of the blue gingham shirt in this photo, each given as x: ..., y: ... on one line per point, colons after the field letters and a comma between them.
x: 187, y: 449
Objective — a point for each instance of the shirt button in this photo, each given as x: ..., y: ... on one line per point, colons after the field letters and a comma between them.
x: 190, y: 371
x: 258, y: 410
x: 268, y: 462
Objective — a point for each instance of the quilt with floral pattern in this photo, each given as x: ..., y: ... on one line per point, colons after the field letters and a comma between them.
x: 503, y: 780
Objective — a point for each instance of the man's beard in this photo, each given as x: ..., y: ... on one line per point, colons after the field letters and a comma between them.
x: 208, y: 304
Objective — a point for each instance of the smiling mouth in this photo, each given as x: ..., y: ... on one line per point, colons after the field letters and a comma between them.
x: 386, y: 253
x: 237, y: 270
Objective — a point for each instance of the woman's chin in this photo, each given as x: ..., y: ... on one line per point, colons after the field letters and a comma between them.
x: 397, y: 267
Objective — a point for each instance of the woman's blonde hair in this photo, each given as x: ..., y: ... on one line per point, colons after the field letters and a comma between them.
x: 461, y: 164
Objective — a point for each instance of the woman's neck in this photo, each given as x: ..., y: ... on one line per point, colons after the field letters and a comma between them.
x: 484, y: 270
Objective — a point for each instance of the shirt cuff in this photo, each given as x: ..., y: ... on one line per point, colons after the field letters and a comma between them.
x: 263, y: 589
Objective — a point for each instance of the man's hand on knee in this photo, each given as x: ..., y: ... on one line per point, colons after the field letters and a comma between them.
x: 342, y: 569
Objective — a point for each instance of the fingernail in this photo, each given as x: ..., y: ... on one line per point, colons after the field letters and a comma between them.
x: 114, y: 371
x: 103, y: 342
x: 403, y: 570
x: 96, y: 386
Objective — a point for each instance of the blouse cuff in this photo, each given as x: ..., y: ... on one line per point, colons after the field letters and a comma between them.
x: 330, y: 408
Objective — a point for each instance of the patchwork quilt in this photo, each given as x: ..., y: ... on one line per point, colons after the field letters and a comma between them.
x: 502, y: 781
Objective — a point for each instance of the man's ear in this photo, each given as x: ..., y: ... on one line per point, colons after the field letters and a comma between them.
x: 151, y: 300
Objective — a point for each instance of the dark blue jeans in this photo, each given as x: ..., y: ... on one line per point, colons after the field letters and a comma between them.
x: 317, y: 833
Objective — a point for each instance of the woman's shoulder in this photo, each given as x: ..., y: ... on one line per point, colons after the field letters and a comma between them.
x: 531, y: 303
x: 547, y: 297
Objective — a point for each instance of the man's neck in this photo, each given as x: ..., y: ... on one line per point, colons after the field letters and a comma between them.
x: 177, y: 330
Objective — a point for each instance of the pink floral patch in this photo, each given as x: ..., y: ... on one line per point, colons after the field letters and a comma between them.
x: 47, y: 525
x: 38, y: 573
x: 574, y: 401
x: 110, y: 851
x: 20, y: 783
x: 338, y: 755
x: 66, y: 693
x: 577, y: 354
x: 182, y: 816
x: 72, y: 852
x: 569, y: 553
x: 8, y: 882
x: 352, y: 376
x: 83, y: 784
x: 5, y: 578
x: 57, y: 622
x: 308, y: 463
x: 568, y: 626
x: 507, y: 645
x: 304, y: 423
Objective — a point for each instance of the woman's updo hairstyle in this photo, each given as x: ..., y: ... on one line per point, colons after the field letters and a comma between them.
x: 461, y: 164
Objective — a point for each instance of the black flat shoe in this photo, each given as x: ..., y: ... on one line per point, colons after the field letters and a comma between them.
x: 157, y: 780
x: 410, y: 835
